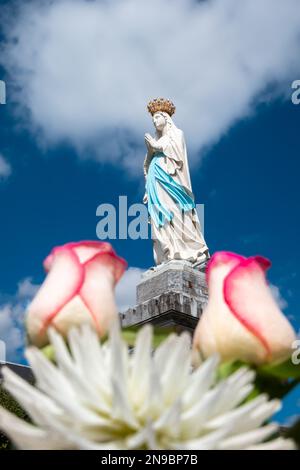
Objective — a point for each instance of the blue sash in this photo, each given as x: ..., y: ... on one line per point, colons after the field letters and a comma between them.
x: 156, y: 175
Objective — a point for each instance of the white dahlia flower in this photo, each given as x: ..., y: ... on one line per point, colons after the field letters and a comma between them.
x: 104, y: 397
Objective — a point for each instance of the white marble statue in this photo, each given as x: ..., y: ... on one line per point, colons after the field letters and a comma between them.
x: 176, y: 231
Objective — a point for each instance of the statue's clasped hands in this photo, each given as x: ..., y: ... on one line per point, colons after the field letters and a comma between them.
x: 149, y: 141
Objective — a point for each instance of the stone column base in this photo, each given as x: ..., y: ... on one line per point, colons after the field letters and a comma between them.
x: 171, y: 295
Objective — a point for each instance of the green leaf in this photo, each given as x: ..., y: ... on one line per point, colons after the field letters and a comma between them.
x: 159, y: 335
x: 48, y: 352
x: 284, y: 370
x: 129, y: 335
x: 225, y: 369
x: 278, y: 379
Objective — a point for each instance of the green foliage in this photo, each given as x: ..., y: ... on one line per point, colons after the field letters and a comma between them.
x: 294, y: 432
x: 48, y: 351
x: 8, y: 402
x: 277, y: 379
x: 227, y: 368
x: 284, y: 370
x: 159, y: 335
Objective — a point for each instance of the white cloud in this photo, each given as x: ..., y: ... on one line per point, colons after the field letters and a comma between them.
x: 12, y: 312
x: 11, y: 331
x: 126, y: 288
x: 5, y: 168
x: 84, y: 71
x: 281, y: 302
x: 26, y: 289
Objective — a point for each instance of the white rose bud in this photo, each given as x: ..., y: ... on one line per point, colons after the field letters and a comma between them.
x: 79, y: 289
x: 242, y: 321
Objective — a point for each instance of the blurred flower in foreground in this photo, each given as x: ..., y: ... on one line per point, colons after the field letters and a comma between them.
x: 242, y: 320
x: 103, y: 397
x: 79, y: 289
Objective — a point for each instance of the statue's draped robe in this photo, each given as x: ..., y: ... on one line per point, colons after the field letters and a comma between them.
x: 176, y: 231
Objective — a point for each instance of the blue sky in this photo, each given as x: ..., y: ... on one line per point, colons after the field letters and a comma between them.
x: 245, y: 170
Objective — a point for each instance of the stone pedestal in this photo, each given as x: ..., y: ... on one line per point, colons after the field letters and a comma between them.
x: 170, y: 295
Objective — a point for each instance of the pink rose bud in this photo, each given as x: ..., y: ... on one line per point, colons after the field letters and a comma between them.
x: 242, y: 320
x: 79, y: 288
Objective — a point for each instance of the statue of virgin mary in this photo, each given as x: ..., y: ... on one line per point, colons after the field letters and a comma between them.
x: 176, y: 230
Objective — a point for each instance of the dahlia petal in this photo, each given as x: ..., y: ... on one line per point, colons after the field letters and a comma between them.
x: 29, y: 437
x: 248, y: 438
x: 83, y: 349
x: 62, y: 355
x: 144, y: 436
x: 247, y: 417
x: 236, y: 388
x: 140, y: 366
x: 170, y: 420
x: 75, y: 375
x: 145, y: 389
x: 30, y: 398
x: 202, y: 380
x: 155, y: 396
x: 69, y: 407
x: 207, y: 442
x: 231, y: 397
x: 237, y: 415
x: 121, y: 407
x: 264, y: 412
x: 121, y: 404
x: 242, y: 376
x: 176, y: 368
x: 63, y: 392
x: 89, y: 358
x: 83, y: 422
x: 48, y: 378
x: 84, y: 444
x: 195, y: 418
x: 163, y: 352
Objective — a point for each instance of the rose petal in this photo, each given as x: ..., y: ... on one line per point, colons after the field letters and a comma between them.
x: 63, y: 282
x: 222, y: 258
x: 98, y: 290
x: 86, y: 250
x: 251, y: 302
